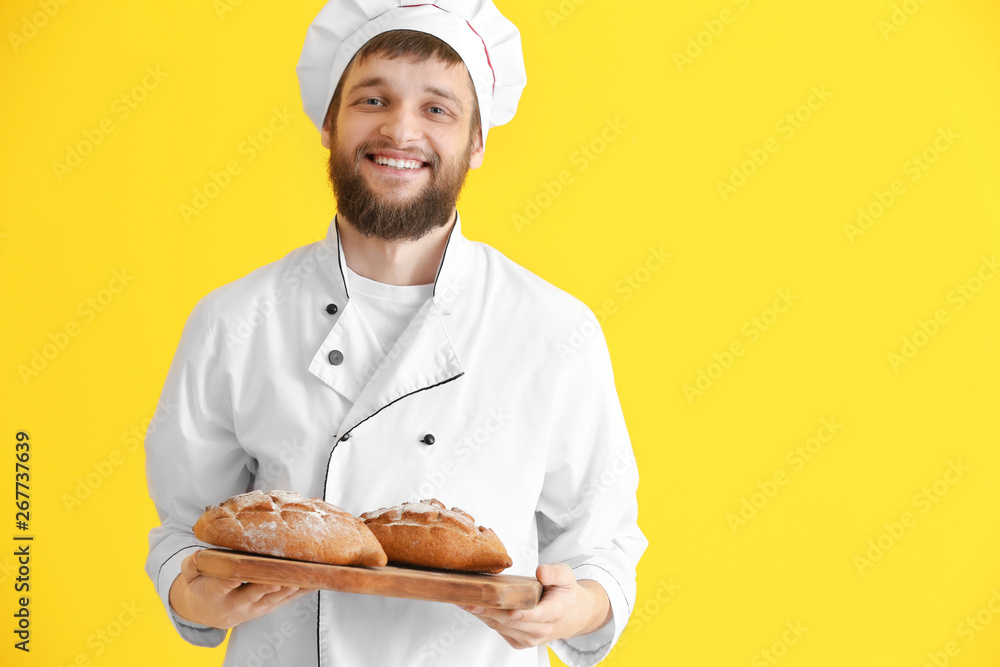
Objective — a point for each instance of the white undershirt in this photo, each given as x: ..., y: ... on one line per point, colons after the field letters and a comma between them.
x: 387, y: 308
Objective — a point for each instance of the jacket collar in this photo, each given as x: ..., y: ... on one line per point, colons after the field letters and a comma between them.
x: 447, y: 281
x: 422, y: 358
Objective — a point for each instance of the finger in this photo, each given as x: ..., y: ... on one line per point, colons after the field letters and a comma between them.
x: 302, y: 592
x: 504, y: 617
x: 280, y: 597
x: 513, y: 631
x: 546, y: 612
x: 486, y: 617
x: 514, y: 619
x: 513, y: 643
x: 516, y: 636
x: 555, y: 574
x: 214, y: 586
x: 485, y: 613
x: 250, y: 594
x: 222, y: 586
x: 524, y: 643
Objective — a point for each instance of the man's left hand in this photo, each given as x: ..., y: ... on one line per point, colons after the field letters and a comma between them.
x: 568, y: 608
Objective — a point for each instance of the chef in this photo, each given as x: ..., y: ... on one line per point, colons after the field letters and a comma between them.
x: 396, y: 360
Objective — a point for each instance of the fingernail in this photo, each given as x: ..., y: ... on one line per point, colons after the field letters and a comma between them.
x: 516, y: 615
x: 476, y: 610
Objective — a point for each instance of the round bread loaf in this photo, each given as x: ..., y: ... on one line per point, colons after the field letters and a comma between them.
x: 430, y: 535
x: 288, y: 525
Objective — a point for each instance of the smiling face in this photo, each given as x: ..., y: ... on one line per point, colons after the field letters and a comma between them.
x: 401, y: 143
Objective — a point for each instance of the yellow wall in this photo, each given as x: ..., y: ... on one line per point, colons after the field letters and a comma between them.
x: 812, y: 394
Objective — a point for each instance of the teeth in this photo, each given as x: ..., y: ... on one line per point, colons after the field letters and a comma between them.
x: 397, y: 164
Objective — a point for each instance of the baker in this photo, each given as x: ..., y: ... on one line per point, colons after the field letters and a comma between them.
x: 393, y: 355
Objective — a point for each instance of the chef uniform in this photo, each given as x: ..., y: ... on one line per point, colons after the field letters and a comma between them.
x: 489, y: 389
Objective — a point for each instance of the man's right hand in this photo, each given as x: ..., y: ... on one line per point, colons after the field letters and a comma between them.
x: 224, y: 603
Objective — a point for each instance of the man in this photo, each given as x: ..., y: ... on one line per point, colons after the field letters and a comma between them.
x: 397, y: 360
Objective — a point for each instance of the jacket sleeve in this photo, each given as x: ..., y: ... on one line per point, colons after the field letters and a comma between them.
x: 587, y: 513
x: 193, y: 460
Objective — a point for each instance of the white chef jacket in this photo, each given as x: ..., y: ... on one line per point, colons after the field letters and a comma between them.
x: 271, y: 387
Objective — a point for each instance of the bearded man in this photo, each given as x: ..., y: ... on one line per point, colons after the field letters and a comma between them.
x: 397, y: 357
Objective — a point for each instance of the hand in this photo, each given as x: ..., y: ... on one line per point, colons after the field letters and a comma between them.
x: 224, y: 603
x: 568, y: 608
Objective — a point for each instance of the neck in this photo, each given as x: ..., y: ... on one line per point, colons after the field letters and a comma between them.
x: 394, y: 262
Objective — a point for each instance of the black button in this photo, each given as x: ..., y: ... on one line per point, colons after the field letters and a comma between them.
x: 332, y: 309
x: 428, y: 439
x: 346, y: 437
x: 336, y: 357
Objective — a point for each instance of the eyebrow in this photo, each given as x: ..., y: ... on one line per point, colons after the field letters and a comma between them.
x: 447, y: 94
x: 375, y: 81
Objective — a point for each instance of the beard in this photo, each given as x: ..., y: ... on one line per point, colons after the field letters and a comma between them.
x: 409, y: 219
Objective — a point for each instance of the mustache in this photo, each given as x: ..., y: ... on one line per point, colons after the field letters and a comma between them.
x: 368, y: 147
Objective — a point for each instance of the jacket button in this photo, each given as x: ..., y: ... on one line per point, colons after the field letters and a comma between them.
x: 332, y: 309
x: 336, y: 357
x: 428, y: 439
x: 346, y: 437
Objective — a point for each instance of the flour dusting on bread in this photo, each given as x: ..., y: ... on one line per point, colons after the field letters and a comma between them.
x: 289, y: 525
x: 428, y: 534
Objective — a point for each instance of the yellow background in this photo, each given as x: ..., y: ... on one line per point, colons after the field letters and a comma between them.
x: 663, y: 132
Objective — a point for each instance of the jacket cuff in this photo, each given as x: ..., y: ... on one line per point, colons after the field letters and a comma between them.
x: 193, y: 633
x: 589, y: 649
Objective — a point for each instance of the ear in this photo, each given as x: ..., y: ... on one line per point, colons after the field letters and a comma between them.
x: 479, y: 152
x: 325, y: 134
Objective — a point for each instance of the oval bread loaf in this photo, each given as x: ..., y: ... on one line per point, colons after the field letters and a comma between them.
x: 430, y: 535
x: 289, y: 525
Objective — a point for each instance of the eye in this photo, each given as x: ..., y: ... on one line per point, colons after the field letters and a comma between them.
x: 436, y: 110
x: 371, y: 101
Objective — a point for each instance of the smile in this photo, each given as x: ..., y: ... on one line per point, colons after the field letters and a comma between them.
x: 396, y: 163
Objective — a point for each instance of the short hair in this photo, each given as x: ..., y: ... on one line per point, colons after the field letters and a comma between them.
x: 412, y: 44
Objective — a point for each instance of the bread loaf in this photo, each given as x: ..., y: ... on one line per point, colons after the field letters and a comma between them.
x: 428, y: 534
x: 288, y: 525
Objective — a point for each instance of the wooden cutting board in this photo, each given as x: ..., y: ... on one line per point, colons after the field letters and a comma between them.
x: 499, y: 591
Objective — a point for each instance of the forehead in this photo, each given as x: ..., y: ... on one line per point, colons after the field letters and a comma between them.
x: 406, y: 73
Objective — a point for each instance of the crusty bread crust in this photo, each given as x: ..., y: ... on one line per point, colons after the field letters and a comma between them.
x: 430, y: 535
x: 289, y: 525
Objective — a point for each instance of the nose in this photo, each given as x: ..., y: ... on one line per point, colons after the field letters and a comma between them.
x: 400, y: 126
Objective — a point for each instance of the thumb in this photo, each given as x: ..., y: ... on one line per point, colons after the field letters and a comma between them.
x: 189, y: 567
x: 555, y: 574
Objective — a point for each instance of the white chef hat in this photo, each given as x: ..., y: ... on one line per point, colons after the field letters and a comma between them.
x: 489, y: 44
